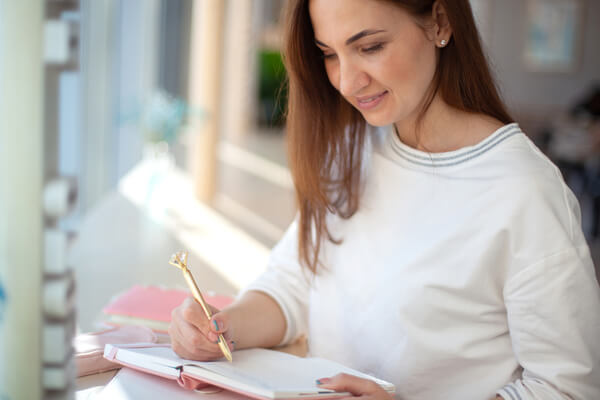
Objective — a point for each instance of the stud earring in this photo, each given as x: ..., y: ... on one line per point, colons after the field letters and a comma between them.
x: 443, y: 42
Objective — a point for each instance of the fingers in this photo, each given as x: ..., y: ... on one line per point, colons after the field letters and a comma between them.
x: 188, y: 342
x: 194, y: 336
x: 218, y: 324
x: 355, y: 385
x: 193, y: 313
x: 183, y: 343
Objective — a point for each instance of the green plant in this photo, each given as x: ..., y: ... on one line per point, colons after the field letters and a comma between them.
x: 272, y: 93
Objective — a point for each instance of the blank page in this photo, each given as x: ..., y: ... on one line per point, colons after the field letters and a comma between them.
x: 275, y: 370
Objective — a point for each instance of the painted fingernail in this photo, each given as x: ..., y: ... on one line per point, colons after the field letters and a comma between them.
x: 215, y: 324
x: 323, y: 381
x: 232, y: 345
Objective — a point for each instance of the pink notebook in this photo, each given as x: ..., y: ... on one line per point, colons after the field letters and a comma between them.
x: 131, y: 384
x: 151, y: 306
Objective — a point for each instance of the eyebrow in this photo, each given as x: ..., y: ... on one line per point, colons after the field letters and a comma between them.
x: 356, y: 37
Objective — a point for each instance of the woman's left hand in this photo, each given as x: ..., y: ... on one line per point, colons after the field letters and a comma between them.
x: 359, y: 387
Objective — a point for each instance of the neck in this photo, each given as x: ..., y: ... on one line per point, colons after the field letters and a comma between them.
x: 444, y: 128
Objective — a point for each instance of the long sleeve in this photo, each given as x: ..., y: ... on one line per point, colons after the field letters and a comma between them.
x: 554, y: 326
x: 287, y: 283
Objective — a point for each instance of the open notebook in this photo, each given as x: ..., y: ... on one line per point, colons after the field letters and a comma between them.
x: 258, y: 373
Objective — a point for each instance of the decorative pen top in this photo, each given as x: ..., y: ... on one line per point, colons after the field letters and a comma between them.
x: 179, y: 260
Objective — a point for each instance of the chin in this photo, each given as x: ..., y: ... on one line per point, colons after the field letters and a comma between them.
x: 377, y: 120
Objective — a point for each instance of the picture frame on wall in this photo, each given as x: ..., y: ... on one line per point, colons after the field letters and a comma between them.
x: 553, y: 32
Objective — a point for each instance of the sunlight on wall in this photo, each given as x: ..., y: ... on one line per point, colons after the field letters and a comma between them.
x: 167, y: 196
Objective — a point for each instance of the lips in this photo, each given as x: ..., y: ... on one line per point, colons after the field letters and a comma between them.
x: 368, y: 102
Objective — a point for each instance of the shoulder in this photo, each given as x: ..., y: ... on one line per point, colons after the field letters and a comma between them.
x: 524, y: 169
x: 539, y: 206
x: 511, y: 159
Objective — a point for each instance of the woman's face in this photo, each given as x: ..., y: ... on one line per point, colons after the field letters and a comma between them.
x: 376, y: 56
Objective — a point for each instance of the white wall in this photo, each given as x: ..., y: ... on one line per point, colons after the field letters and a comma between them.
x: 526, y: 90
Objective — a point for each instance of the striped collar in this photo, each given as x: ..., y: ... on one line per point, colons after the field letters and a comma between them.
x: 451, y: 158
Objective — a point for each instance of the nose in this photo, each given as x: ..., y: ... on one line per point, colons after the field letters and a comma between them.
x: 352, y: 78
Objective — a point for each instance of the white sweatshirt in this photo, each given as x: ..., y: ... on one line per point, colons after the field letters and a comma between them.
x: 462, y: 275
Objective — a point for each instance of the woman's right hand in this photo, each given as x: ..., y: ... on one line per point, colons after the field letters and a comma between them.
x: 193, y: 336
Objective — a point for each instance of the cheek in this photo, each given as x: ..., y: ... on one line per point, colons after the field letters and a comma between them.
x: 410, y: 72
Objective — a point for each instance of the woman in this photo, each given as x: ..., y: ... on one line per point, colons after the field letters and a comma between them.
x: 435, y: 246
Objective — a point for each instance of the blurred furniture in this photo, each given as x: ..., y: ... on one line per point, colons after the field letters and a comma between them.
x: 574, y: 145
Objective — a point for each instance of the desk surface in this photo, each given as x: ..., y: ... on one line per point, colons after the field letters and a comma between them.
x: 88, y: 387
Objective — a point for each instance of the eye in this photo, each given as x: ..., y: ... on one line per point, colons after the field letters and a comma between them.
x: 373, y: 49
x: 324, y: 54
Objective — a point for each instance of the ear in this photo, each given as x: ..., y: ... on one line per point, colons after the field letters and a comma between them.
x: 442, y: 30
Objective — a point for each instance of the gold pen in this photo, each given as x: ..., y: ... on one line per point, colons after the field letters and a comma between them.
x: 179, y: 260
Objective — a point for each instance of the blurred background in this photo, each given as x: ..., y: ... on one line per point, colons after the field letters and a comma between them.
x: 135, y: 128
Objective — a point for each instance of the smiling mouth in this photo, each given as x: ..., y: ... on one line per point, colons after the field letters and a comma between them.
x: 372, y: 101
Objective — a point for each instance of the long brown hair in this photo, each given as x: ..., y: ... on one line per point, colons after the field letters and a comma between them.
x: 326, y: 134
